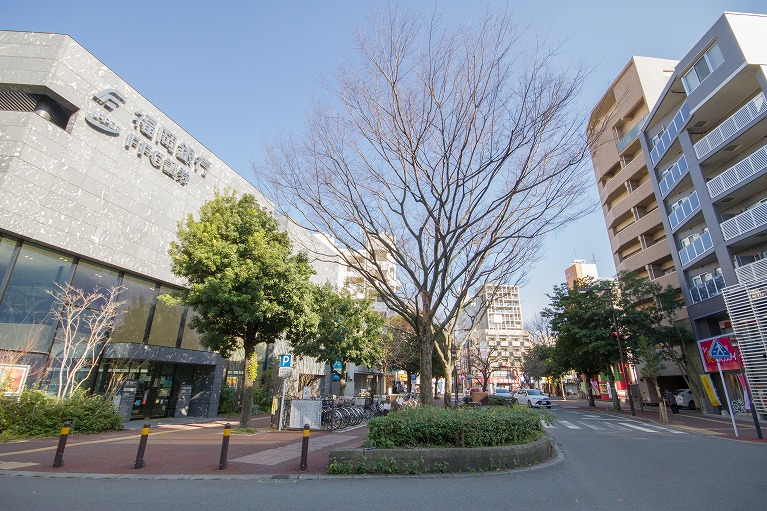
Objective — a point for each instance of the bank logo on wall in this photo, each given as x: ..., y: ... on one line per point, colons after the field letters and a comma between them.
x: 150, y: 140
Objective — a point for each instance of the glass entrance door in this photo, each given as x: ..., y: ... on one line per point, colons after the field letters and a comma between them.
x: 162, y: 384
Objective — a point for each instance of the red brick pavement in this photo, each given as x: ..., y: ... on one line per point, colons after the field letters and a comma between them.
x: 182, y: 449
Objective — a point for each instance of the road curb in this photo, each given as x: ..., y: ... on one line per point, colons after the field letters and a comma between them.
x: 557, y: 457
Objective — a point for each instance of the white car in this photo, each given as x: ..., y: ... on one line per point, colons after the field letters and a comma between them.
x: 684, y: 398
x: 532, y: 397
x: 502, y: 392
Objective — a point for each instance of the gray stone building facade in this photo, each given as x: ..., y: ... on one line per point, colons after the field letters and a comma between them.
x: 93, y: 180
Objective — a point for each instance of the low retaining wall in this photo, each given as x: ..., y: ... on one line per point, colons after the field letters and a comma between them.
x: 440, y: 460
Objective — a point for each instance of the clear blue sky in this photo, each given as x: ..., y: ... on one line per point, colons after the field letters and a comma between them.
x: 236, y: 74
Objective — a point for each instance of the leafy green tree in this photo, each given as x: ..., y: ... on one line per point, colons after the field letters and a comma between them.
x: 540, y: 361
x: 673, y: 337
x: 245, y: 284
x: 593, y: 318
x: 348, y: 330
x: 652, y: 356
x: 581, y: 317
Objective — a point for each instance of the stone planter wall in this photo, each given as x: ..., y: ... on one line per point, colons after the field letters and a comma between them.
x: 409, y: 461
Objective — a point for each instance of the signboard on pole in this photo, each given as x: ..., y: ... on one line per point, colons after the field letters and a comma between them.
x: 285, y: 363
x: 719, y: 349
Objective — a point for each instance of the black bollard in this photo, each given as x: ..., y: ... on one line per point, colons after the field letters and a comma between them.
x: 222, y: 463
x: 142, y: 446
x: 304, y: 448
x: 58, y: 460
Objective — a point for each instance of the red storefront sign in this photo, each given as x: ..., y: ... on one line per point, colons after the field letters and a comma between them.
x: 709, y: 364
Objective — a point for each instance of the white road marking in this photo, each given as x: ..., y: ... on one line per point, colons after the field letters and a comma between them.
x: 591, y: 426
x: 674, y: 431
x: 640, y: 428
x: 569, y: 425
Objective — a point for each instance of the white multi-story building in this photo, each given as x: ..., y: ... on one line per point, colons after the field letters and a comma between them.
x: 494, y: 333
x: 704, y: 144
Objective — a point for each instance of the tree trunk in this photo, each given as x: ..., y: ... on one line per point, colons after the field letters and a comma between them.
x: 564, y: 389
x: 449, y: 397
x: 249, y: 374
x: 427, y: 350
x: 613, y: 392
x: 590, y: 390
x: 249, y: 346
x: 661, y: 404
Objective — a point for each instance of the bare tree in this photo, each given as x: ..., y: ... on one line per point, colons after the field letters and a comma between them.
x: 83, y: 322
x: 539, y: 329
x: 454, y: 150
x: 486, y: 358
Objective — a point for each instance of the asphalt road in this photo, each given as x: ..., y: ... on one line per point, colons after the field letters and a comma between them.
x: 605, y: 463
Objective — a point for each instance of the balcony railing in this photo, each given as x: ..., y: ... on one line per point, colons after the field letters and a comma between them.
x: 744, y: 222
x: 738, y: 173
x: 672, y: 130
x: 707, y: 290
x: 685, y: 209
x: 631, y: 135
x: 731, y: 126
x: 674, y: 174
x: 696, y: 248
x: 752, y: 272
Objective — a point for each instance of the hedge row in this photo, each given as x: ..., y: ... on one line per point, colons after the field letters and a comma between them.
x: 450, y: 427
x: 36, y: 414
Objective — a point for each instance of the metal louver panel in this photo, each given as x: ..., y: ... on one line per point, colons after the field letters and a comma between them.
x: 747, y: 307
x: 17, y: 101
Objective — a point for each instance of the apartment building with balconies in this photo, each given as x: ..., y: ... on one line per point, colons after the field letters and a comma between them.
x: 704, y: 143
x: 632, y: 216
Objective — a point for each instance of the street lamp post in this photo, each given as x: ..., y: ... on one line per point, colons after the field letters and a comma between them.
x: 454, y: 353
x: 620, y: 350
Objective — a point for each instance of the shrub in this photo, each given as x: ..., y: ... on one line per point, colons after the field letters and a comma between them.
x: 496, y: 400
x: 262, y: 399
x: 228, y: 403
x: 448, y: 427
x: 37, y: 414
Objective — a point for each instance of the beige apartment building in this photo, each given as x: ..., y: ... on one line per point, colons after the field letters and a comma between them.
x: 637, y: 238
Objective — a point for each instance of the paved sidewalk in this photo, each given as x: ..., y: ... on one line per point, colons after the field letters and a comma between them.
x: 183, y: 447
x: 192, y: 447
x: 688, y: 420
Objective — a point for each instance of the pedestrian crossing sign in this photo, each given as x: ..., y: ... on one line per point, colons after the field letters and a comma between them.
x: 718, y: 351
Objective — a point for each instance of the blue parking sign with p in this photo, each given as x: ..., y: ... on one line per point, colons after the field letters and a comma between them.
x: 285, y: 360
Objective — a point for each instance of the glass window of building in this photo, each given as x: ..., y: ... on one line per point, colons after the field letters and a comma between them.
x: 7, y: 248
x: 190, y: 339
x: 94, y: 279
x: 138, y: 297
x: 74, y: 340
x: 25, y: 319
x: 703, y: 67
x: 167, y: 319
